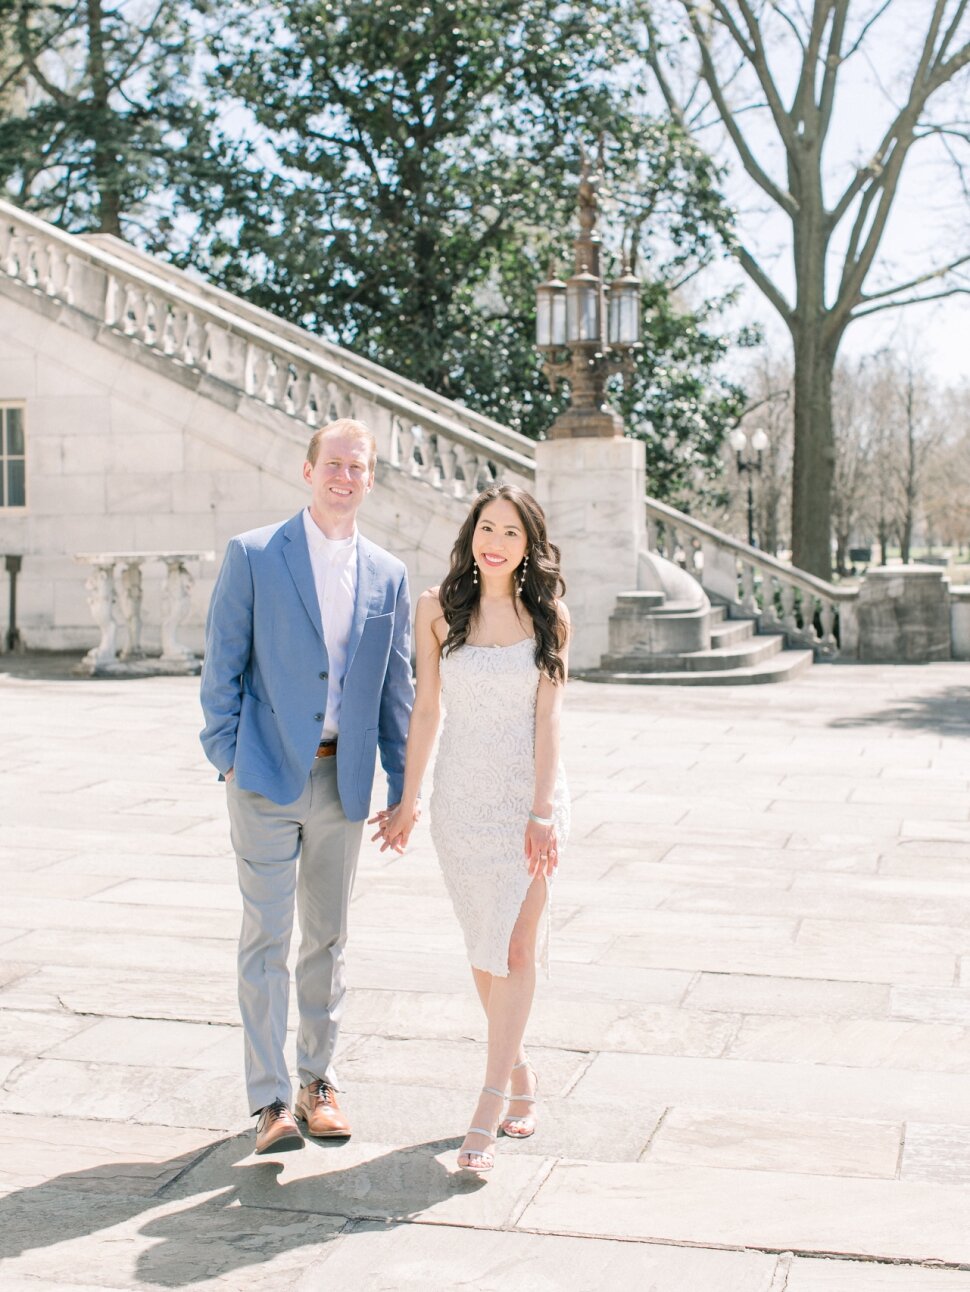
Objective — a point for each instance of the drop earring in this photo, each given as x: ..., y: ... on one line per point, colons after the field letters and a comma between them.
x: 475, y: 573
x: 522, y: 569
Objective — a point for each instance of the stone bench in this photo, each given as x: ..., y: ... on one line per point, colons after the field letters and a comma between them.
x: 115, y: 592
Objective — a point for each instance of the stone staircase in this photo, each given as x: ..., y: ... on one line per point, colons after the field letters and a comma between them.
x: 266, y: 383
x: 737, y: 655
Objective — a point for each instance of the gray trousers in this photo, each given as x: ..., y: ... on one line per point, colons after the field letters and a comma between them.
x: 306, y: 850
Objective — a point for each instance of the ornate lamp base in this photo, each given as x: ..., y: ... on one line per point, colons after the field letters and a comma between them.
x: 576, y: 423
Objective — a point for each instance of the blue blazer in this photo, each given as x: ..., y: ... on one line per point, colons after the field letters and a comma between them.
x: 264, y: 678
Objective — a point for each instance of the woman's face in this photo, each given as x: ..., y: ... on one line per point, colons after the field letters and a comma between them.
x: 499, y: 541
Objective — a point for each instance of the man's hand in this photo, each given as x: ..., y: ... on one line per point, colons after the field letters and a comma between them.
x: 395, y: 824
x: 230, y: 774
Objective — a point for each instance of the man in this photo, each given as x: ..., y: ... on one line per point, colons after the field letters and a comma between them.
x: 307, y: 673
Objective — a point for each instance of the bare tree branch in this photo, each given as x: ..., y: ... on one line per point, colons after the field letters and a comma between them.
x: 864, y: 30
x: 761, y: 280
x: 912, y: 300
x: 759, y: 61
x: 833, y: 64
x: 928, y: 277
x: 748, y: 159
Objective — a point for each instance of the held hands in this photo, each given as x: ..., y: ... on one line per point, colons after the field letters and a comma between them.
x: 394, y: 826
x: 541, y: 848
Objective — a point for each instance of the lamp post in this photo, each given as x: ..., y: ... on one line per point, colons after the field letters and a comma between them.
x: 748, y: 466
x: 587, y: 329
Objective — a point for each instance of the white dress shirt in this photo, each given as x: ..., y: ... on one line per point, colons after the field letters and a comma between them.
x: 334, y: 564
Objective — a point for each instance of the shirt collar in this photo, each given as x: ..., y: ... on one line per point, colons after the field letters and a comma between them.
x: 329, y: 547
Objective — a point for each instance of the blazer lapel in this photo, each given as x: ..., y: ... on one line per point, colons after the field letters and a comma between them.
x: 297, y: 557
x: 368, y: 593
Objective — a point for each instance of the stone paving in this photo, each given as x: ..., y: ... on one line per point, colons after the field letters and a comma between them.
x: 753, y: 1053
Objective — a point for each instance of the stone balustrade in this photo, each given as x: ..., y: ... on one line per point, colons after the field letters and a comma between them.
x: 434, y: 440
x: 808, y: 611
x: 115, y: 592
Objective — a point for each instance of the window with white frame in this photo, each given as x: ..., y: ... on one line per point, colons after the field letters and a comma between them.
x: 13, y: 478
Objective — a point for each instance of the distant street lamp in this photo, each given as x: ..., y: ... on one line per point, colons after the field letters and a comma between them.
x: 587, y: 329
x: 748, y: 466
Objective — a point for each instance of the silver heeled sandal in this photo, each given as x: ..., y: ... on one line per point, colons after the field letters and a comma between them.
x: 484, y: 1160
x: 522, y: 1127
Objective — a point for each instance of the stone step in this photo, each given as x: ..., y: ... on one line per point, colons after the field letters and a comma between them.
x: 744, y: 654
x: 735, y: 630
x: 784, y: 666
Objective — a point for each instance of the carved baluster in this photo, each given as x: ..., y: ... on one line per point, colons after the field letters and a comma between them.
x: 314, y: 402
x: 153, y: 324
x: 102, y: 602
x: 460, y: 485
x: 299, y: 393
x: 194, y: 340
x: 114, y: 300
x: 449, y: 461
x: 769, y: 610
x: 59, y: 273
x: 257, y: 371
x: 129, y: 589
x: 175, y: 610
x: 30, y: 274
x: 749, y: 600
x: 280, y: 383
x: 6, y: 241
x: 133, y: 317
x: 788, y: 620
x: 827, y: 640
x: 44, y: 260
x: 406, y: 440
x: 17, y: 255
x: 423, y: 464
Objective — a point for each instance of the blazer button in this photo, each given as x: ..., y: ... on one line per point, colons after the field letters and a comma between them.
x: 324, y: 676
x: 318, y: 717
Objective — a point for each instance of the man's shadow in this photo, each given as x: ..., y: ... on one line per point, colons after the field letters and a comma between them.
x: 225, y: 1210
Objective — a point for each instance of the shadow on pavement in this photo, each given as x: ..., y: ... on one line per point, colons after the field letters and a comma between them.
x: 946, y: 711
x: 238, y: 1215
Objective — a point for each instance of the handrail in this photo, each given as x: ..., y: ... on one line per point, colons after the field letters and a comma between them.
x: 296, y: 378
x: 808, y: 610
x: 771, y: 564
x: 239, y: 307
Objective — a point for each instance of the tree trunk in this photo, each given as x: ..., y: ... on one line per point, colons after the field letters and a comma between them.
x: 814, y: 458
x: 103, y: 127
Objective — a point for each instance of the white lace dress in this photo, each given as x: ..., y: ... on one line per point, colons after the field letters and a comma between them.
x: 484, y: 778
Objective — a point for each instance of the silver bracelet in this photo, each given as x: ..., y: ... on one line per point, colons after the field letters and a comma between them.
x: 541, y: 820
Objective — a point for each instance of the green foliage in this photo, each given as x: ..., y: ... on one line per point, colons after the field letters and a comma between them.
x: 397, y: 174
x: 96, y: 118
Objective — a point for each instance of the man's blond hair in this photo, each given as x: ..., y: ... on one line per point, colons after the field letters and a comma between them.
x: 344, y: 426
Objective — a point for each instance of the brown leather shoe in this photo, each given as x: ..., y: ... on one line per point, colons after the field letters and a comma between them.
x: 276, y: 1130
x: 317, y: 1105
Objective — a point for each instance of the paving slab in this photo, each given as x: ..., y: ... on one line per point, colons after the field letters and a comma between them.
x: 751, y: 1050
x: 883, y: 1219
x: 866, y: 1276
x: 410, y: 1258
x: 776, y: 1142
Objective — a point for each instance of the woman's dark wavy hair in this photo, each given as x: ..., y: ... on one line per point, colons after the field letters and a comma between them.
x: 459, y: 593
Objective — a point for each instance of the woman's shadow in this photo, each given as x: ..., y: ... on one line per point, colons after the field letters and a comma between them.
x: 219, y: 1209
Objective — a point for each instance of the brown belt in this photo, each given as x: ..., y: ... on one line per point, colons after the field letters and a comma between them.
x: 326, y: 749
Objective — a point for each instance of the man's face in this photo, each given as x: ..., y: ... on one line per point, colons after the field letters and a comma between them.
x: 339, y: 480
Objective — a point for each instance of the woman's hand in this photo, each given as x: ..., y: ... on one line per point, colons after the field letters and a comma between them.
x: 395, y: 825
x: 541, y: 848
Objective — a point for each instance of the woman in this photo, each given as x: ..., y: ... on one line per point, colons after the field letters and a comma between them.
x: 493, y: 640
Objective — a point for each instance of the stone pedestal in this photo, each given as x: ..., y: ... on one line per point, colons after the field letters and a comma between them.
x: 903, y: 615
x: 592, y: 491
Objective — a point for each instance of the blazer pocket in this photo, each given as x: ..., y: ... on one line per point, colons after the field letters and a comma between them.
x: 258, y: 732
